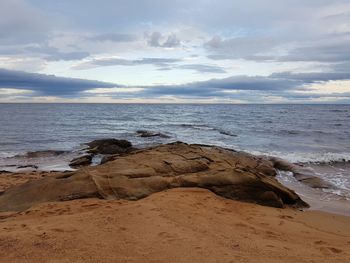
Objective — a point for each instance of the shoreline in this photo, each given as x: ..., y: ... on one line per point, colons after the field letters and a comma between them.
x: 318, y: 199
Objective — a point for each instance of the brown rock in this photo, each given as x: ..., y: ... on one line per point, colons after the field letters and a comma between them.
x: 233, y: 175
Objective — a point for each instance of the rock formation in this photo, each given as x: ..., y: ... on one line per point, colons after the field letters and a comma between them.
x: 233, y: 175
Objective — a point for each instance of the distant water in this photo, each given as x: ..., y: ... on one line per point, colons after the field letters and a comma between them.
x: 298, y: 133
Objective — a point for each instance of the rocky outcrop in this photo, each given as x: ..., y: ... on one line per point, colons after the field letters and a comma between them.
x: 233, y: 175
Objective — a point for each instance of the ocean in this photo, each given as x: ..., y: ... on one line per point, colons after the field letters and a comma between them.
x: 317, y: 136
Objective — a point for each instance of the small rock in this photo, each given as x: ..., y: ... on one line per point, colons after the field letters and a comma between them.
x: 28, y: 166
x: 146, y: 134
x: 104, y: 142
x: 109, y: 146
x: 107, y: 158
x: 81, y: 161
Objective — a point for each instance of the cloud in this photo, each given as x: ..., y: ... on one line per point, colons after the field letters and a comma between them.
x: 341, y: 67
x: 310, y: 31
x: 113, y: 37
x: 67, y: 56
x: 156, y: 39
x: 172, y: 41
x: 21, y: 23
x: 281, y: 84
x: 239, y: 47
x: 103, y: 62
x: 163, y: 64
x: 215, y: 87
x: 312, y: 77
x: 48, y: 85
x: 53, y: 54
x: 287, y: 85
x: 325, y: 49
x: 334, y: 50
x: 202, y: 68
x: 153, y: 39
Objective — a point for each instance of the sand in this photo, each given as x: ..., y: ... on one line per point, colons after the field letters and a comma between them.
x: 178, y: 225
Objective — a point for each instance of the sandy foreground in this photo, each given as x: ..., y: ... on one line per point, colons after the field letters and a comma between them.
x: 178, y: 225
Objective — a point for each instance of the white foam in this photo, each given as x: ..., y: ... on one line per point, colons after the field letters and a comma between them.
x: 9, y: 154
x: 303, y: 157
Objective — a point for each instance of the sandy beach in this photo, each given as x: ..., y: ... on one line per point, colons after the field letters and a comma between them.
x: 180, y: 225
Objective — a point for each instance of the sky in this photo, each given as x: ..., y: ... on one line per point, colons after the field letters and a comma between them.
x: 156, y: 51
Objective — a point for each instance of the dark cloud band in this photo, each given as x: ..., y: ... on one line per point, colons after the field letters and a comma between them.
x: 48, y: 85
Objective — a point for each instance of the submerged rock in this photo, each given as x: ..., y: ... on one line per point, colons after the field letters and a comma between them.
x: 234, y: 175
x: 146, y: 134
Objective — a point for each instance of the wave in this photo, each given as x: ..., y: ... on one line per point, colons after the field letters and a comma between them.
x: 289, y: 132
x: 196, y: 126
x: 9, y: 154
x: 304, y: 158
x: 337, y: 110
x: 205, y: 127
x: 226, y: 133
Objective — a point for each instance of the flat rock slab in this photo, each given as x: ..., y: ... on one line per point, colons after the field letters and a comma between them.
x: 234, y: 175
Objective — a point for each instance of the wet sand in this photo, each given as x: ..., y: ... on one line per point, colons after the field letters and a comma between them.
x: 179, y: 225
